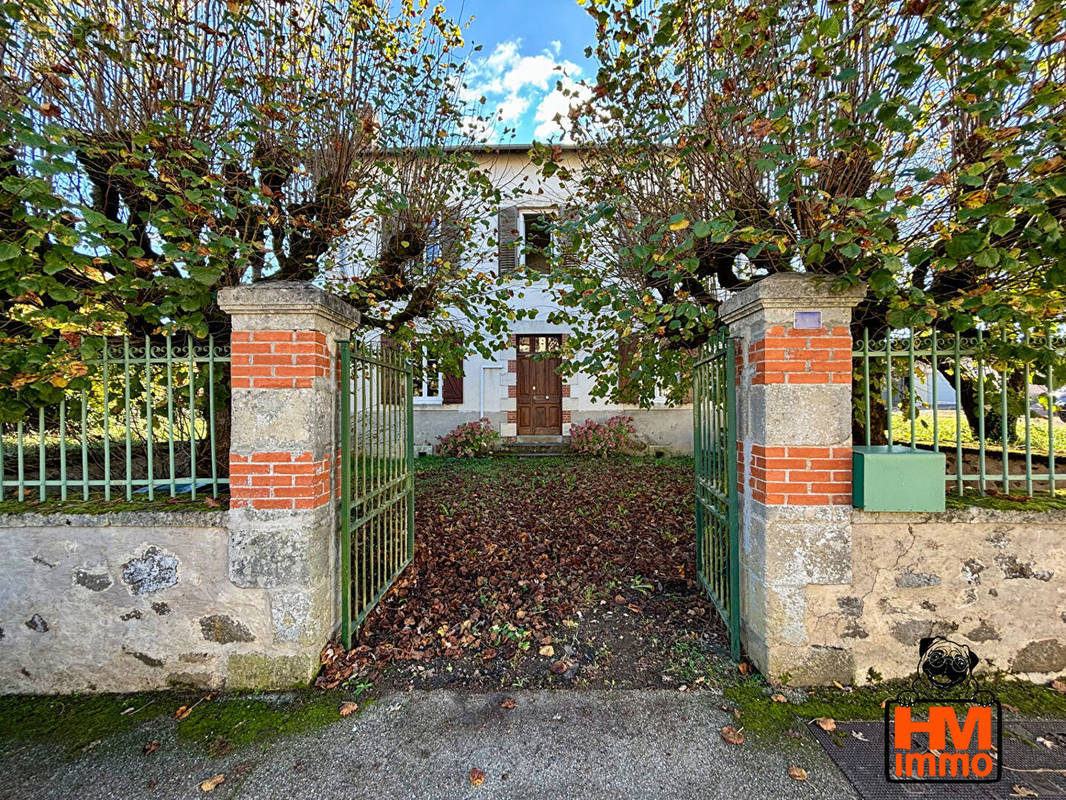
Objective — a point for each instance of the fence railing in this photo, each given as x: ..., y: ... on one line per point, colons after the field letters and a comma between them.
x: 142, y: 422
x: 992, y: 401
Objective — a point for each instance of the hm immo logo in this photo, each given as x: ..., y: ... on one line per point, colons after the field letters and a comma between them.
x: 946, y: 730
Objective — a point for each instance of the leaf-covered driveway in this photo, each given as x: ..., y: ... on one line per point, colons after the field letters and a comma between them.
x: 541, y: 571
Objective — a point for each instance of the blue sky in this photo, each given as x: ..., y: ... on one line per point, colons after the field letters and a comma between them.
x: 525, y: 45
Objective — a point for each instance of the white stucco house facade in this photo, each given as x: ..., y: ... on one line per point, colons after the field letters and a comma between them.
x: 521, y: 396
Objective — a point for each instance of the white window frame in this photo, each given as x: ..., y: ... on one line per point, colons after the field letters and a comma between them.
x: 424, y: 399
x: 520, y: 254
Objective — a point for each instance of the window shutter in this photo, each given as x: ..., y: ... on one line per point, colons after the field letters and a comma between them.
x: 507, y: 236
x: 693, y: 354
x: 451, y: 233
x: 392, y: 382
x: 568, y: 243
x: 390, y: 226
x: 627, y: 350
x: 452, y: 389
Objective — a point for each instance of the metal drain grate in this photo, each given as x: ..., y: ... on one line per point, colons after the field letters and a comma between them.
x: 1030, y: 767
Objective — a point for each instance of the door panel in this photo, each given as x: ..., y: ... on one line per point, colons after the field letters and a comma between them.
x: 540, y: 388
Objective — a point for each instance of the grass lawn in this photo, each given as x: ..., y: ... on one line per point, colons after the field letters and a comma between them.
x: 542, y: 571
x: 947, y: 429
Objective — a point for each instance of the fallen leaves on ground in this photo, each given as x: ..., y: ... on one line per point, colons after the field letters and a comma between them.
x: 507, y: 554
x: 797, y: 773
x: 1059, y: 686
x: 827, y: 724
x: 212, y: 783
x: 547, y: 650
x: 779, y: 698
x: 348, y: 708
x: 477, y: 777
x: 732, y: 735
x: 508, y: 703
x: 182, y: 712
x: 151, y: 747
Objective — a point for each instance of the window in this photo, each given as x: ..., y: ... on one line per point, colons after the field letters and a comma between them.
x: 427, y: 380
x: 431, y: 386
x: 537, y: 239
x: 434, y: 246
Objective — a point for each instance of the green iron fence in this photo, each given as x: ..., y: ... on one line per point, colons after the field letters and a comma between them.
x: 377, y: 476
x: 715, y: 439
x: 991, y: 401
x: 141, y: 422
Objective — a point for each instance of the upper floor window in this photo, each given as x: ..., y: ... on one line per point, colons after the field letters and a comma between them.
x: 537, y: 239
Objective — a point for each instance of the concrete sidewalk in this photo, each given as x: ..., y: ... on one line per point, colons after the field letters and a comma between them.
x: 553, y: 744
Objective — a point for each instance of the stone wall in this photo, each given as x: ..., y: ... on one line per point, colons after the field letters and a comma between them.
x: 994, y: 580
x: 136, y: 600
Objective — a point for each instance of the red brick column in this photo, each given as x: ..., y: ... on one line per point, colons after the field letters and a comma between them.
x: 279, y: 361
x: 809, y: 474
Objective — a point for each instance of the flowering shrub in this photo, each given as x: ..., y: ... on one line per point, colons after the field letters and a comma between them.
x: 616, y: 435
x: 469, y: 440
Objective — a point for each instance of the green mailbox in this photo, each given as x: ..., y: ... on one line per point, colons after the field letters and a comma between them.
x: 895, y: 478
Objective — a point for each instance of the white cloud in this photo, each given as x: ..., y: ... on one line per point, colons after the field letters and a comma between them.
x: 513, y: 83
x: 512, y: 108
x: 553, y: 111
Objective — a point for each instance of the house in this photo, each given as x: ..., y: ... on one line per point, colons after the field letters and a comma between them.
x: 524, y: 397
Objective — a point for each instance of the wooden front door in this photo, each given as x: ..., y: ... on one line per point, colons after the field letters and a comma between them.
x: 540, y: 388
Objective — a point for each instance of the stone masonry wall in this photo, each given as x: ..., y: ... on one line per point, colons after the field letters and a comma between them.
x: 132, y: 601
x: 994, y: 580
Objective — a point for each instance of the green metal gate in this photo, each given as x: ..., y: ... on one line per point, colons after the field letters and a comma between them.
x: 377, y: 476
x: 717, y: 534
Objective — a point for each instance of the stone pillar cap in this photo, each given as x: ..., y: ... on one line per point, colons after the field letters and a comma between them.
x: 789, y: 290
x: 286, y: 297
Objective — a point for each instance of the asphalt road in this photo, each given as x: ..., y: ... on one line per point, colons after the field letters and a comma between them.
x: 553, y: 744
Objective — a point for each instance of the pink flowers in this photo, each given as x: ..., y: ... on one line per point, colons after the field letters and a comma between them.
x: 469, y: 440
x: 617, y: 435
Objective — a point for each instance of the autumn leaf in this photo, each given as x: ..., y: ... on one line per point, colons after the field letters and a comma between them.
x: 508, y: 703
x: 1048, y: 166
x: 732, y: 735
x: 797, y: 773
x: 761, y: 127
x: 779, y: 698
x: 1059, y: 686
x: 348, y: 708
x: 744, y: 667
x: 476, y: 776
x: 559, y: 667
x: 547, y: 651
x: 826, y: 723
x: 212, y: 783
x: 151, y: 747
x: 680, y: 225
x: 182, y: 712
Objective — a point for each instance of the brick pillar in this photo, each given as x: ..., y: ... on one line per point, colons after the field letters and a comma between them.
x: 794, y: 465
x: 283, y: 476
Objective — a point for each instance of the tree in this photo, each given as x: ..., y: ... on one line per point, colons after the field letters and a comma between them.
x: 154, y: 151
x: 917, y: 145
